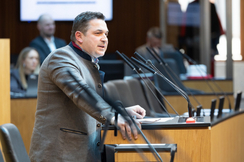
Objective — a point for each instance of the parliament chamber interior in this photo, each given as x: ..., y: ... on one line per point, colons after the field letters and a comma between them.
x: 190, y: 85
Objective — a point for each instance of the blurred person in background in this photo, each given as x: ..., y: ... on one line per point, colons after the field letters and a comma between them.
x: 28, y: 63
x: 45, y: 43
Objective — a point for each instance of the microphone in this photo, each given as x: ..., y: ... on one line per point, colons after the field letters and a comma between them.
x: 167, y: 69
x: 211, y: 79
x: 170, y: 83
x: 189, y: 59
x: 135, y: 67
x: 139, y: 69
x: 121, y: 111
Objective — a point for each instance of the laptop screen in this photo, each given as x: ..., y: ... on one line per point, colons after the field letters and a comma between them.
x: 32, y: 85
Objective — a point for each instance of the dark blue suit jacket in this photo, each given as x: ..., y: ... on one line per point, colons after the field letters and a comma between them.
x: 15, y: 82
x: 40, y: 45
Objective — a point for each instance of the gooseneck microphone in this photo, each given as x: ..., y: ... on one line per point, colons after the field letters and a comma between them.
x: 169, y: 82
x: 139, y: 69
x: 135, y: 68
x: 211, y: 79
x: 167, y: 70
x: 131, y: 121
x: 127, y: 117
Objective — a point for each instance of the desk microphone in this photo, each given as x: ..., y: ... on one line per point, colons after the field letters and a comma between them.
x: 156, y: 88
x: 130, y: 120
x: 135, y: 68
x: 195, y: 63
x: 169, y: 71
x: 169, y: 82
x: 91, y: 94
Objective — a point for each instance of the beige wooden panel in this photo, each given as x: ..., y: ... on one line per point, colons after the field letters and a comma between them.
x: 23, y: 116
x: 224, y: 85
x: 227, y: 140
x: 4, y: 81
x: 180, y: 104
x: 193, y: 144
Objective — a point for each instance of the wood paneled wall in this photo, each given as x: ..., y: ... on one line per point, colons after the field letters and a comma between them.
x: 131, y: 20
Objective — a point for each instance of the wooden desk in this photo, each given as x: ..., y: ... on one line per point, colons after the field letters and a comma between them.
x: 226, y: 85
x: 221, y: 141
x: 23, y: 116
x: 201, y: 144
x: 180, y: 104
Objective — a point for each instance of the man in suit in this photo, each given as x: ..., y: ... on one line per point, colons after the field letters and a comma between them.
x: 165, y: 51
x: 68, y: 120
x: 45, y: 43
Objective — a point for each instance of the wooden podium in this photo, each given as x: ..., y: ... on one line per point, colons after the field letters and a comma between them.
x: 219, y: 141
x: 4, y: 81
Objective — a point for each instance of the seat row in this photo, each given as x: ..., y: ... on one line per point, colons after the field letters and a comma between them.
x: 136, y: 92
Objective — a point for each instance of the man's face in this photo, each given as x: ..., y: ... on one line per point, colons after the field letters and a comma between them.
x: 95, y: 40
x: 154, y: 42
x: 47, y: 27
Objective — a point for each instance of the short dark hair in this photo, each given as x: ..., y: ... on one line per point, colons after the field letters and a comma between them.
x: 155, y: 32
x: 81, y: 21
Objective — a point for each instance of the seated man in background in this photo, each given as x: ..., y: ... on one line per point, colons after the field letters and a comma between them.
x: 28, y: 63
x: 154, y: 41
x: 45, y: 43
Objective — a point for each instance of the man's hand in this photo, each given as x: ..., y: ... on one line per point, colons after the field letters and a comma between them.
x: 137, y: 111
x: 126, y: 129
x: 124, y: 126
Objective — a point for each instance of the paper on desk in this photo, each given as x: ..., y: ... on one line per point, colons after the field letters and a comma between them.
x: 153, y: 120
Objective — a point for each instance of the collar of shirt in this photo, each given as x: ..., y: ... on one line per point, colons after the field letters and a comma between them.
x: 83, y: 53
x: 50, y: 43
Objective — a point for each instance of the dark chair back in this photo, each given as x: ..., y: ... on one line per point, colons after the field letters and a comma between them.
x: 12, y: 144
x: 114, y: 69
x: 1, y: 156
x: 129, y: 92
x: 238, y: 101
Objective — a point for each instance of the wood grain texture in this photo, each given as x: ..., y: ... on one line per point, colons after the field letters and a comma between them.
x: 180, y: 104
x: 193, y: 144
x: 127, y: 30
x: 227, y: 140
x: 23, y: 116
x: 225, y: 85
x: 221, y: 143
x: 4, y: 81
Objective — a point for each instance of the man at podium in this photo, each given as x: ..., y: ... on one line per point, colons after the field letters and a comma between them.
x: 68, y: 120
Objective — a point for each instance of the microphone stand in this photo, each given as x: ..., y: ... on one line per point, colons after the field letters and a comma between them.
x: 165, y: 65
x: 131, y: 121
x: 131, y: 64
x: 197, y: 65
x: 127, y: 117
x: 156, y: 89
x: 139, y: 69
x: 170, y: 83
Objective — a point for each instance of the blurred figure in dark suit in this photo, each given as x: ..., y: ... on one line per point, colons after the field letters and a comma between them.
x: 189, y: 37
x: 45, y: 43
x: 165, y: 51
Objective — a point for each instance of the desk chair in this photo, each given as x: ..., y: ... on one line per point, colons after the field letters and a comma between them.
x: 12, y: 144
x: 165, y: 86
x: 1, y: 156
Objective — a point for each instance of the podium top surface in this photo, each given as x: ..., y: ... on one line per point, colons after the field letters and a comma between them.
x: 171, y: 122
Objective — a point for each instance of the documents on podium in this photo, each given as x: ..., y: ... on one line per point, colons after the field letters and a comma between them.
x: 178, y: 121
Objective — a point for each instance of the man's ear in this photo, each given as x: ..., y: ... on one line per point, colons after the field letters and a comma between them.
x: 38, y: 26
x: 79, y: 36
